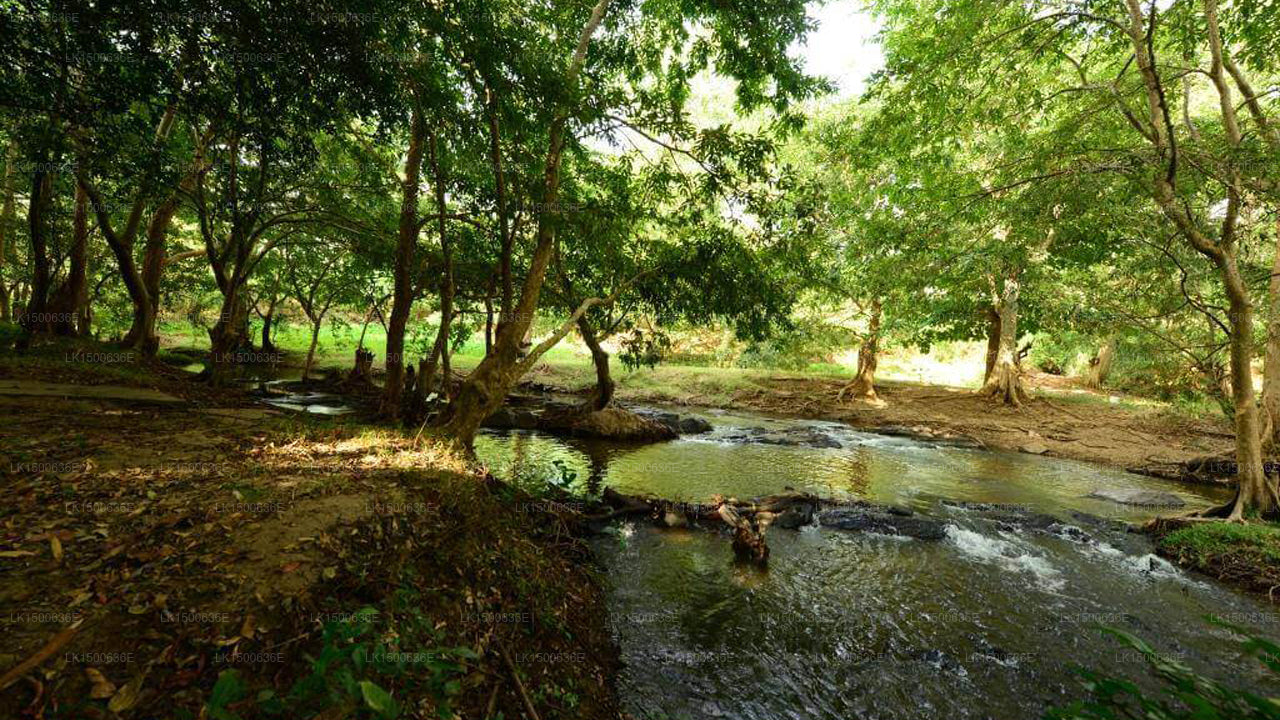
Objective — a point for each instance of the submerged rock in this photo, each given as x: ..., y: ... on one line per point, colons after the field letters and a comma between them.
x: 790, y: 437
x: 883, y: 520
x: 1138, y: 497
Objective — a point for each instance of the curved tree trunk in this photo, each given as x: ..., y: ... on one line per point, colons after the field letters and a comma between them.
x: 487, y: 386
x: 863, y: 386
x: 602, y: 396
x: 1005, y: 381
x: 1100, y: 365
x: 993, y: 341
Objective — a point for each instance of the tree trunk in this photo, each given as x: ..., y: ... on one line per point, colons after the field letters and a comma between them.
x: 427, y: 370
x: 993, y: 341
x: 229, y: 335
x: 267, y: 320
x: 6, y: 227
x: 66, y: 306
x: 142, y: 333
x: 1100, y: 365
x: 1254, y: 492
x: 863, y: 386
x: 602, y: 396
x: 1271, y: 362
x: 1005, y: 380
x: 311, y: 350
x: 487, y: 385
x: 402, y: 294
x: 36, y: 317
x: 446, y: 288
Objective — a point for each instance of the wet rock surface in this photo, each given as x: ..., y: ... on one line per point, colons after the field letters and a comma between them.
x: 883, y: 519
x: 1139, y: 497
x: 792, y: 437
x: 937, y: 438
x: 682, y: 424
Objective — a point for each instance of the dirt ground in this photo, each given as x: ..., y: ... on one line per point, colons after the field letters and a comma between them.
x: 148, y: 548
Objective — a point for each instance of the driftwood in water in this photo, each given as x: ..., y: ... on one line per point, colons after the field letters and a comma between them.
x: 751, y: 519
x: 748, y: 533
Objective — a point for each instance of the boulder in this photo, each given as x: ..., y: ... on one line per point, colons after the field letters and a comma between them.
x: 796, y: 438
x: 1138, y: 497
x: 693, y: 425
x: 618, y: 424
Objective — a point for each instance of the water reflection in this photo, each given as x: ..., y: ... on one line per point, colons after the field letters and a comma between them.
x: 984, y: 624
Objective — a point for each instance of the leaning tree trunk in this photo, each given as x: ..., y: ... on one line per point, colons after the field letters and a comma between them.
x: 66, y: 306
x: 402, y: 293
x: 1005, y: 380
x: 487, y: 385
x: 863, y: 386
x: 993, y: 341
x: 602, y: 396
x: 1100, y: 364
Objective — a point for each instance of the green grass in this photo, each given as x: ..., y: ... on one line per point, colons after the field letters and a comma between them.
x: 338, y: 341
x: 1203, y: 542
x: 1246, y: 554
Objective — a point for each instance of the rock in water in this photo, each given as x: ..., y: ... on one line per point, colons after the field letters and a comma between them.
x: 883, y: 522
x: 1135, y: 496
x: 694, y: 426
x: 1034, y: 448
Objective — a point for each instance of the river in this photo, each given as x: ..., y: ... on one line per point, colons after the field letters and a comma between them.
x: 985, y: 623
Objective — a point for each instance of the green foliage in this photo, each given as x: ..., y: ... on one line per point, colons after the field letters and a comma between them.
x: 1186, y: 695
x: 643, y: 349
x: 359, y: 659
x: 9, y: 335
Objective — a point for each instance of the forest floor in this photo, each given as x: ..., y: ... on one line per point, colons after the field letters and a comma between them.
x: 174, y: 551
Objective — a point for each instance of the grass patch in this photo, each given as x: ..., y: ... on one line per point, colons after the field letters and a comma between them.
x: 1247, y: 554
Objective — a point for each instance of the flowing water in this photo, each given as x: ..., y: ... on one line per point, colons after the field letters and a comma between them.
x: 986, y: 623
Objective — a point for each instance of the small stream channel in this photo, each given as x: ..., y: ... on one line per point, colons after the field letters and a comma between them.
x: 985, y: 623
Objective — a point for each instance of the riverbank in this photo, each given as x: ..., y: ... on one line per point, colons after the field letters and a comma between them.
x: 173, y: 557
x: 1064, y: 418
x: 1060, y: 420
x: 1246, y: 555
